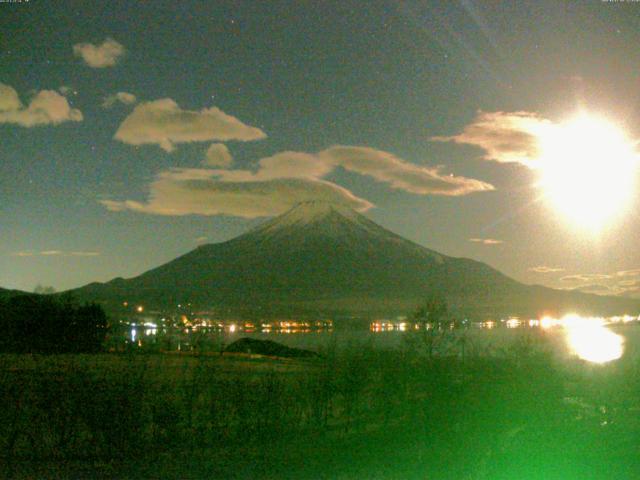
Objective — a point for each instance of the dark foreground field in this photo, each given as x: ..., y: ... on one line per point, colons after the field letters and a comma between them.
x: 355, y: 413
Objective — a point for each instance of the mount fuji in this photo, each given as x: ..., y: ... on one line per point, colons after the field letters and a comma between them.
x: 327, y: 259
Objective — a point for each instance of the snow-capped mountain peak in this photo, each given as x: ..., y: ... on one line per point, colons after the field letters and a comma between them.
x: 316, y: 213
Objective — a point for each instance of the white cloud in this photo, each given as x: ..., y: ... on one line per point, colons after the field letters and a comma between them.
x: 621, y: 283
x: 197, y: 191
x: 56, y: 253
x: 218, y: 155
x: 51, y: 252
x: 629, y: 273
x: 486, y: 241
x: 164, y: 123
x: 382, y: 166
x: 99, y: 56
x: 9, y: 100
x: 585, y: 277
x: 285, y: 179
x: 288, y: 165
x: 628, y: 287
x: 597, y: 289
x: 47, y: 107
x: 399, y: 174
x: 122, y: 97
x: 545, y: 269
x: 506, y: 137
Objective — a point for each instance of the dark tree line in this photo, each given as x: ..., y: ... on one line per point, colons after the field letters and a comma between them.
x: 47, y: 324
x: 434, y: 310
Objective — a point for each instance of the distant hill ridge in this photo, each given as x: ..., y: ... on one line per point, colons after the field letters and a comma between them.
x: 4, y: 293
x: 326, y: 258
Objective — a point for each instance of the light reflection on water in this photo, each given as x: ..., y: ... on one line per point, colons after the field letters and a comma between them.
x: 595, y: 343
x: 591, y: 340
x: 588, y: 338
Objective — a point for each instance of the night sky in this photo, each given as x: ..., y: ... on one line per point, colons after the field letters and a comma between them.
x: 131, y: 132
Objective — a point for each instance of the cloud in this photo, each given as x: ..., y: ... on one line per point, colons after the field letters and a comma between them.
x: 387, y: 168
x: 9, y: 100
x: 633, y: 293
x: 218, y: 155
x: 47, y: 107
x: 164, y: 123
x: 56, y: 253
x: 597, y: 288
x: 51, y: 252
x: 285, y: 179
x: 629, y: 288
x: 377, y: 164
x: 486, y: 241
x: 100, y: 56
x: 196, y: 191
x: 629, y: 273
x: 621, y: 283
x: 545, y: 269
x: 585, y: 277
x: 122, y: 97
x: 506, y: 137
x: 286, y: 165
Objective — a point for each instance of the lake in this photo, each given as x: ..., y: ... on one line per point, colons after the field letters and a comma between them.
x: 596, y: 340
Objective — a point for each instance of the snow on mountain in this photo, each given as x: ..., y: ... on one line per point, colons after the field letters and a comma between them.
x: 316, y: 212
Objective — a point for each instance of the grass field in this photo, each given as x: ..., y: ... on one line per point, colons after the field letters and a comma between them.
x: 356, y: 412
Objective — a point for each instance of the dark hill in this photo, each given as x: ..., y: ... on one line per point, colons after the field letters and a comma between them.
x: 4, y: 293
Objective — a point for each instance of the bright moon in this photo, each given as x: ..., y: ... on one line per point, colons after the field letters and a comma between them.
x: 587, y: 170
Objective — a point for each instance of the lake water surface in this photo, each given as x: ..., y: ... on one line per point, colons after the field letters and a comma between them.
x: 592, y: 339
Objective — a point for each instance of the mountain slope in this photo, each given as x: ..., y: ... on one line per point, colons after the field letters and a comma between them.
x: 4, y: 293
x: 325, y: 258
